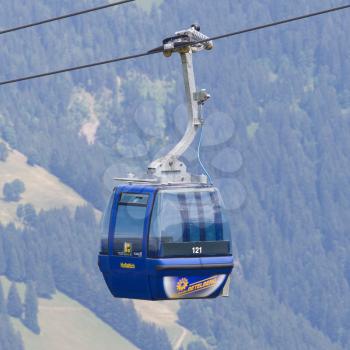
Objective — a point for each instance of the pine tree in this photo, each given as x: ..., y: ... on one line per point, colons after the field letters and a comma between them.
x: 85, y: 215
x: 14, y: 248
x: 9, y: 339
x: 14, y: 303
x: 31, y: 309
x: 45, y: 282
x: 2, y: 301
x: 2, y: 257
x: 31, y: 268
x: 27, y: 213
x: 14, y: 269
x: 12, y: 191
x: 3, y: 152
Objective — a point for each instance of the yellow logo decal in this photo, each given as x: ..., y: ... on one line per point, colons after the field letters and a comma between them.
x: 127, y: 266
x: 182, y: 284
x: 183, y: 287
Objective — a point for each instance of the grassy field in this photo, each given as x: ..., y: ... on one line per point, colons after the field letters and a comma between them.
x: 67, y: 325
x: 164, y: 315
x: 43, y: 190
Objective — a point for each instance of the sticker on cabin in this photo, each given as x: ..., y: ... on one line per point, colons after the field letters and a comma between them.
x: 192, y: 287
x: 127, y: 266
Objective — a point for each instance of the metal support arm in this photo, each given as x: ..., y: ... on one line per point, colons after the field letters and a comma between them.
x: 169, y: 168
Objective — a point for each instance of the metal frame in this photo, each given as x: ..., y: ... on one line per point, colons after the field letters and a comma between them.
x: 169, y: 169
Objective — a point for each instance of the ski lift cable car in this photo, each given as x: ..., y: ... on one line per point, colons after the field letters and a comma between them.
x: 167, y: 237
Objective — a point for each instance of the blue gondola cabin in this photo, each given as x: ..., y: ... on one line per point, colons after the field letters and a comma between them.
x: 165, y: 242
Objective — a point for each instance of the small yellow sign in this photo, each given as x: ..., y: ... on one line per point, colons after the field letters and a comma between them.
x: 127, y: 248
x: 127, y: 266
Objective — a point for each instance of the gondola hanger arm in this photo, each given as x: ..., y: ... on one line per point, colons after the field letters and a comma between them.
x: 169, y: 168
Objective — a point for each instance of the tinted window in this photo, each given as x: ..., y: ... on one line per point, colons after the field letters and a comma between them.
x: 130, y: 220
x: 129, y: 226
x: 134, y: 199
x: 185, y: 216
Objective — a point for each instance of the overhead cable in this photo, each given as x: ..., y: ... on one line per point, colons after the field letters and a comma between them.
x: 161, y: 49
x: 25, y: 26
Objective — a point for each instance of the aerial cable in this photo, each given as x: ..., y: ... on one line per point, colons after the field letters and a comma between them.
x: 161, y: 49
x: 273, y: 24
x: 64, y: 16
x: 118, y: 59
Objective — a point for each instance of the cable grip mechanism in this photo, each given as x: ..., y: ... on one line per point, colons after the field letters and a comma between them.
x: 184, y: 42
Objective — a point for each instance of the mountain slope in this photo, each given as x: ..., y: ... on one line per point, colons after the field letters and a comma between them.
x: 67, y: 325
x: 164, y: 314
x: 43, y: 190
x: 287, y: 91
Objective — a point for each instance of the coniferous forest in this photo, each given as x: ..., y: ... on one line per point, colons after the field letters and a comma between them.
x: 276, y: 142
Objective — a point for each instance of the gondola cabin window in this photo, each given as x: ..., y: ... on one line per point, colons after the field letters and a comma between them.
x: 128, y: 235
x: 189, y: 222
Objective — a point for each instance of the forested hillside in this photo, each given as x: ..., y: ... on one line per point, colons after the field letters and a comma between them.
x: 276, y: 141
x: 57, y: 251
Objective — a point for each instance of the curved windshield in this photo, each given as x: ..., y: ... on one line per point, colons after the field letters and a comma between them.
x: 128, y: 234
x: 104, y: 225
x: 189, y: 222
